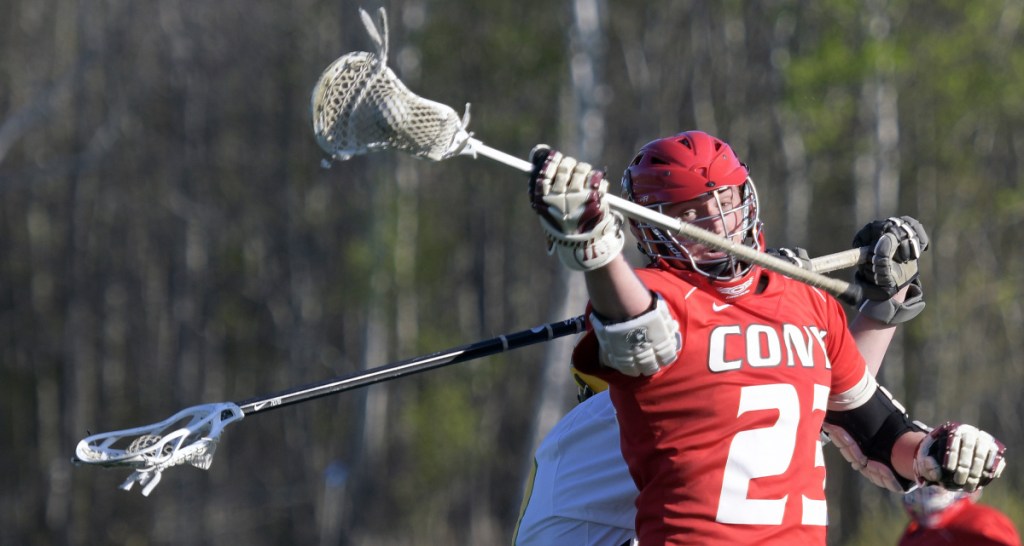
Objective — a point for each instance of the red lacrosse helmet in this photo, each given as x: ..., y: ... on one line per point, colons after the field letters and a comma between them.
x: 927, y: 504
x: 681, y: 168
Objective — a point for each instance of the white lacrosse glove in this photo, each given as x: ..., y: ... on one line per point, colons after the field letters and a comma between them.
x: 897, y: 244
x: 959, y: 457
x: 569, y: 196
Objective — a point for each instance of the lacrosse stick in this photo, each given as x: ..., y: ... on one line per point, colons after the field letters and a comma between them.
x: 359, y: 106
x: 191, y: 435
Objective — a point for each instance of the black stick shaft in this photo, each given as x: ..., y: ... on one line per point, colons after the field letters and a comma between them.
x: 418, y: 364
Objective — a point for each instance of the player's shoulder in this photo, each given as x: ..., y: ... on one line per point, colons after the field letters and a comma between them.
x: 593, y: 414
x: 983, y: 516
x: 791, y: 288
x: 672, y: 285
x: 972, y: 525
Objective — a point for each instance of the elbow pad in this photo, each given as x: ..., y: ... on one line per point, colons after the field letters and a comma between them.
x: 641, y: 345
x: 864, y: 423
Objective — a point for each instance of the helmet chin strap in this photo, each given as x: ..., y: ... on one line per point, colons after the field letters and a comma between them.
x: 720, y: 270
x: 725, y: 270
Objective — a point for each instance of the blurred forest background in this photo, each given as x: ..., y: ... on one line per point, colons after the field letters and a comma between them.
x: 169, y: 238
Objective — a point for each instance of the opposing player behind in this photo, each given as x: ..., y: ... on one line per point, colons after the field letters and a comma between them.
x: 942, y: 517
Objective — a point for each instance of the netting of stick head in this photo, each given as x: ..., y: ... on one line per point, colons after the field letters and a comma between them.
x: 188, y: 437
x: 360, y: 106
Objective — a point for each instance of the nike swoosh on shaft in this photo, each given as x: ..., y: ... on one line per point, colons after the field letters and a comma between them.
x: 716, y: 307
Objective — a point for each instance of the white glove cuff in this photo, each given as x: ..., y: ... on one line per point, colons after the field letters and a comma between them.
x: 642, y: 345
x: 926, y: 468
x: 591, y: 250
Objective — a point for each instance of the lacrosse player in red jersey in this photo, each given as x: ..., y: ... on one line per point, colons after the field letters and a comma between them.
x: 723, y: 373
x: 939, y: 516
x: 580, y: 491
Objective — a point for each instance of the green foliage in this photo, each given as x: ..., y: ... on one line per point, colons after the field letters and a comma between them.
x: 443, y: 423
x: 819, y: 98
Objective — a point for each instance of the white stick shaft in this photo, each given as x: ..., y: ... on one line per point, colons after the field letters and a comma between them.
x: 478, y: 147
x: 840, y: 260
x: 840, y: 288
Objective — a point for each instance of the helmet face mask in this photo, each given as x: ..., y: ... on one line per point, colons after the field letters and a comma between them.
x: 698, y: 179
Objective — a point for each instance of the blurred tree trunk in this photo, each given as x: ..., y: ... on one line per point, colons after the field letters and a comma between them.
x: 583, y: 118
x: 78, y: 390
x: 797, y: 188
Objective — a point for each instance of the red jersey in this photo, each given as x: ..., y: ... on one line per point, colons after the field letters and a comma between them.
x: 724, y: 443
x: 964, y: 524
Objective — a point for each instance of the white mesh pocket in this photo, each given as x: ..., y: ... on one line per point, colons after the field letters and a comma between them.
x: 360, y: 106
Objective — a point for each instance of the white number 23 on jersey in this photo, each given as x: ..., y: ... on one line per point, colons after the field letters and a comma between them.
x: 768, y: 452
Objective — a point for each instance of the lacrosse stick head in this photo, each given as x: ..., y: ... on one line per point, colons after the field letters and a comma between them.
x: 187, y: 437
x: 359, y: 106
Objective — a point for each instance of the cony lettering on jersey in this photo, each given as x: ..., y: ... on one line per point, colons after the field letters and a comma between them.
x: 732, y: 346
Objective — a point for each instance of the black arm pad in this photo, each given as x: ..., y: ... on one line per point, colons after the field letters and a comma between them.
x: 875, y: 426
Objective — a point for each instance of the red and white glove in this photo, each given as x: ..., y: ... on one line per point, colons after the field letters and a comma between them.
x: 569, y: 196
x: 959, y: 457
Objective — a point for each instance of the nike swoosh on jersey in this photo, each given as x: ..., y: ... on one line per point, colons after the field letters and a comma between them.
x: 716, y: 307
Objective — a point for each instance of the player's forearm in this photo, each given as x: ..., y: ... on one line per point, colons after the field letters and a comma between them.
x: 615, y: 291
x: 873, y: 336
